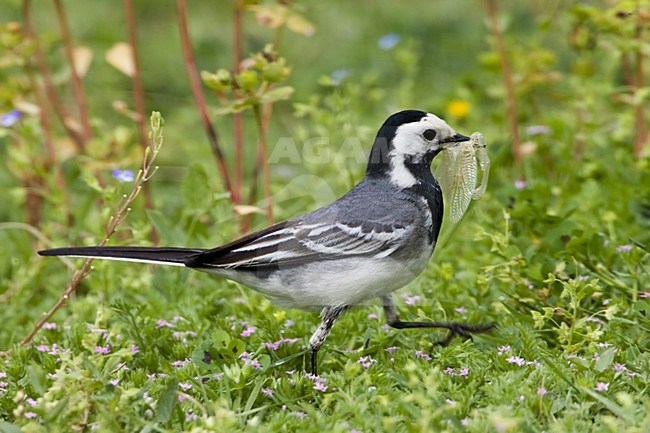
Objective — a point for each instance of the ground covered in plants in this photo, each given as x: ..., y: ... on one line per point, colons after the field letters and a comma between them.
x: 556, y: 252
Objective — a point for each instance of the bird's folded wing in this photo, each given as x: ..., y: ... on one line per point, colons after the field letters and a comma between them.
x: 292, y: 243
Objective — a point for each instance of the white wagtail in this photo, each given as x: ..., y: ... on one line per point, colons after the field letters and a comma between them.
x: 372, y: 241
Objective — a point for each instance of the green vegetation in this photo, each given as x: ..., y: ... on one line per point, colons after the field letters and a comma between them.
x: 556, y: 252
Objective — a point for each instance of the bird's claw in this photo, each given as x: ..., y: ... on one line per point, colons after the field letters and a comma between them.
x: 464, y: 330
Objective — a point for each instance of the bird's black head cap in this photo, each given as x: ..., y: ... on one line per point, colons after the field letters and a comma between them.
x: 378, y: 159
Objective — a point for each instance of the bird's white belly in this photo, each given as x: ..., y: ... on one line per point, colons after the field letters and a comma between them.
x: 349, y: 281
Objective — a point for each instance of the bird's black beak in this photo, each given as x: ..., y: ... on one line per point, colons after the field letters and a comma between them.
x: 450, y: 141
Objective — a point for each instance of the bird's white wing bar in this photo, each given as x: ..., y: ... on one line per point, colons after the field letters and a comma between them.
x: 300, y: 243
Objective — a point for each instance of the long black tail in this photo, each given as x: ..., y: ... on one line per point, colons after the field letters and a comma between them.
x: 163, y: 256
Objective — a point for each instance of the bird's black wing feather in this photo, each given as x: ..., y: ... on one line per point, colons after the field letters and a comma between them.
x: 149, y: 254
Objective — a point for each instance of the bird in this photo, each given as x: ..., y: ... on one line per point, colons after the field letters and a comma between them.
x: 367, y: 244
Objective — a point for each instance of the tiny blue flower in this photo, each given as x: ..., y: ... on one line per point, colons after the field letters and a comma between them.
x: 123, y: 175
x: 339, y: 75
x: 10, y: 118
x: 388, y: 42
x: 538, y: 130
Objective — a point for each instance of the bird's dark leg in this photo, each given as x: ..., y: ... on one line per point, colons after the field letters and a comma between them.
x: 330, y: 314
x: 455, y: 328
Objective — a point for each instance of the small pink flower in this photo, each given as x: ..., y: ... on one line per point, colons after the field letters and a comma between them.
x: 48, y: 325
x: 644, y: 295
x: 623, y: 248
x: 275, y: 345
x: 463, y: 372
x: 267, y: 391
x: 602, y: 386
x: 391, y: 349
x: 504, y: 349
x: 134, y: 349
x: 520, y: 184
x: 43, y: 348
x: 30, y: 415
x: 165, y: 324
x: 289, y: 323
x: 366, y: 361
x: 420, y: 354
x: 619, y: 367
x: 247, y: 357
x: 412, y: 300
x: 3, y: 374
x: 460, y: 310
x: 516, y: 360
x: 103, y: 350
x: 372, y: 316
x: 248, y: 331
x: 181, y: 362
x: 114, y: 382
x: 3, y: 384
x: 32, y: 402
x: 185, y: 386
x: 320, y: 386
x: 451, y: 402
x: 542, y: 391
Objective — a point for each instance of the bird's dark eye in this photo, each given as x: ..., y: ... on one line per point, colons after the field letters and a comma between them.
x: 429, y: 134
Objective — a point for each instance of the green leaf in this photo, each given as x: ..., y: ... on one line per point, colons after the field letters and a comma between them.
x: 612, y: 406
x: 196, y: 189
x: 7, y: 427
x: 277, y: 94
x: 167, y: 401
x: 605, y: 359
x: 236, y: 106
x: 204, y: 355
x: 169, y: 233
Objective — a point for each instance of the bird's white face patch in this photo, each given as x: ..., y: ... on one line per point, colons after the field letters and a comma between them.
x: 413, y: 141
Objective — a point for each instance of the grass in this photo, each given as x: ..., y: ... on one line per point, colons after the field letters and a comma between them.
x: 556, y: 252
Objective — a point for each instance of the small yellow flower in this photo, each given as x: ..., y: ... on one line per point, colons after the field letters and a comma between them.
x: 458, y: 108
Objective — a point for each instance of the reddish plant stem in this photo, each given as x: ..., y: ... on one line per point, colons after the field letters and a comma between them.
x: 195, y: 84
x: 267, y: 111
x: 138, y: 96
x: 238, y: 118
x: 511, y: 105
x: 640, y: 126
x: 77, y: 85
x: 48, y: 83
x: 262, y: 161
x: 46, y: 127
